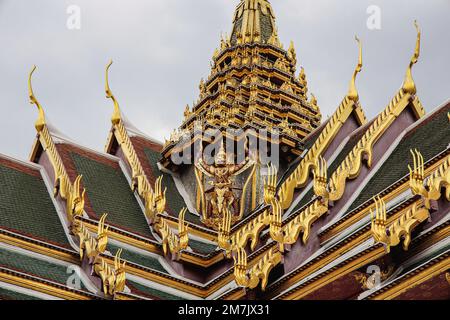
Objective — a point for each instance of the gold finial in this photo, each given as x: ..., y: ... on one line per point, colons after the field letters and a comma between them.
x: 40, y: 122
x: 353, y: 93
x: 115, y: 119
x: 291, y: 51
x: 408, y: 85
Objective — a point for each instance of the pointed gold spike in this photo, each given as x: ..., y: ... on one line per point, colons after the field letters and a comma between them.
x: 408, y: 85
x: 40, y: 122
x: 352, y: 92
x: 115, y: 119
x: 314, y: 101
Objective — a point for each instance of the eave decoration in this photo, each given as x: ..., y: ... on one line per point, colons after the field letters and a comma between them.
x: 400, y: 229
x: 92, y: 248
x: 250, y: 277
x: 430, y: 190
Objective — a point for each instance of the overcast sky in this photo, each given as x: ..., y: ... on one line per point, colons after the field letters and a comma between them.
x: 162, y: 48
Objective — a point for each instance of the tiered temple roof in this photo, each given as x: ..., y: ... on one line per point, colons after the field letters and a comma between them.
x: 354, y: 209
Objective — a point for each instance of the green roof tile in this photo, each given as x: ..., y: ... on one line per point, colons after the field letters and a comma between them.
x: 6, y: 294
x: 153, y: 293
x: 143, y: 260
x: 202, y: 247
x: 34, y: 266
x: 108, y: 191
x: 26, y: 207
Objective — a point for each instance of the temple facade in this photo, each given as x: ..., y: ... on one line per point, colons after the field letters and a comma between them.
x: 253, y: 196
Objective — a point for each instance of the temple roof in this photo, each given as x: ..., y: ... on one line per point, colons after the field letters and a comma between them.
x: 135, y: 228
x: 253, y: 21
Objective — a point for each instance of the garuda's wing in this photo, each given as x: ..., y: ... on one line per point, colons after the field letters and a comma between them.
x: 245, y: 167
x: 200, y: 166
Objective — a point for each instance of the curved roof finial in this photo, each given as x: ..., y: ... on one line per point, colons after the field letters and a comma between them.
x: 408, y: 85
x: 352, y: 92
x: 115, y: 119
x: 40, y: 122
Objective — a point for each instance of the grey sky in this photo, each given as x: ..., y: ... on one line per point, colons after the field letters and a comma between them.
x: 161, y: 49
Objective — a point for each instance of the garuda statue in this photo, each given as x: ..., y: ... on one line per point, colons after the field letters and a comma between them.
x: 221, y: 196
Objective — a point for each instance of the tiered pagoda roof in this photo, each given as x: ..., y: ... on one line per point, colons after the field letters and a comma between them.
x: 253, y: 84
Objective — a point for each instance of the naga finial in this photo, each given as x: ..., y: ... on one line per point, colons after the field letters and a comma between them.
x: 408, y: 85
x: 115, y: 119
x: 40, y: 122
x: 352, y: 92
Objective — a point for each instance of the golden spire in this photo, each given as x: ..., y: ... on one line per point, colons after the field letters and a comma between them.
x: 40, y: 122
x: 115, y: 119
x: 408, y: 85
x: 352, y: 92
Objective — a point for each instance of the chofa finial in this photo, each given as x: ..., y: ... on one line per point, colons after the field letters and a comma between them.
x: 352, y: 92
x: 408, y: 85
x: 40, y: 122
x: 115, y: 119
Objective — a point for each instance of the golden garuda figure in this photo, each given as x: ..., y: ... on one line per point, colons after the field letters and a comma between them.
x: 221, y: 195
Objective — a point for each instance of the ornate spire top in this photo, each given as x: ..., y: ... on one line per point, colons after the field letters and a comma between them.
x: 352, y: 92
x: 116, y: 115
x: 40, y: 122
x: 408, y: 85
x: 254, y: 21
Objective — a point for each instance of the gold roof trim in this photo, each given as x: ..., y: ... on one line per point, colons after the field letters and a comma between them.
x: 300, y: 176
x: 351, y: 166
x: 71, y: 193
x: 154, y: 198
x: 348, y: 169
x: 252, y: 229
